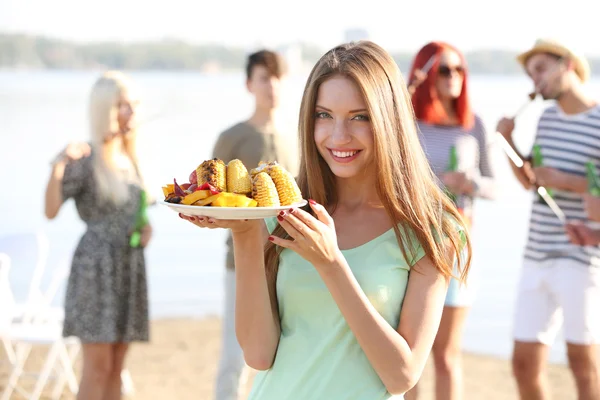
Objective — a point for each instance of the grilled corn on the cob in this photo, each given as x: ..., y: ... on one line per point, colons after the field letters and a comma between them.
x: 264, y: 191
x: 214, y: 172
x: 287, y: 188
x: 262, y: 165
x: 238, y: 179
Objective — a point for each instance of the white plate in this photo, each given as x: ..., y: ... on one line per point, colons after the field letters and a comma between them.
x: 230, y: 212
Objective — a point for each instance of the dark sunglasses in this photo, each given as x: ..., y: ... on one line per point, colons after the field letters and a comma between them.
x: 446, y: 71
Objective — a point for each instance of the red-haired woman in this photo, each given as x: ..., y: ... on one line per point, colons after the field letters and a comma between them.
x: 458, y: 151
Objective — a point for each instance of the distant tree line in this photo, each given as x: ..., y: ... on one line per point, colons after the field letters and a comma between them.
x: 26, y: 51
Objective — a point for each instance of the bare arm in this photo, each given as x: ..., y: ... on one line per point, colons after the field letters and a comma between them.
x: 524, y: 174
x: 575, y: 183
x: 54, y: 197
x: 398, y: 356
x: 418, y: 78
x: 592, y: 206
x: 582, y: 235
x: 555, y: 179
x: 256, y: 325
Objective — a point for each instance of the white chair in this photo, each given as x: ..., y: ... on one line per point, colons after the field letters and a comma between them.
x: 127, y: 387
x: 28, y: 253
x: 33, y: 320
x: 58, y: 363
x: 25, y: 325
x: 6, y: 306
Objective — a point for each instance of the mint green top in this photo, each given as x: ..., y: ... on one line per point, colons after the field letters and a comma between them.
x: 318, y: 355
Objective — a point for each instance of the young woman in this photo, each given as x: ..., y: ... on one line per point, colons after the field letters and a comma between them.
x: 457, y: 148
x: 106, y: 303
x: 346, y: 298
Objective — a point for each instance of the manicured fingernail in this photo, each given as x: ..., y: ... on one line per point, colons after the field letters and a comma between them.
x: 271, y: 238
x: 279, y: 218
x: 200, y: 219
x: 311, y: 201
x: 291, y: 210
x: 282, y: 213
x: 180, y: 215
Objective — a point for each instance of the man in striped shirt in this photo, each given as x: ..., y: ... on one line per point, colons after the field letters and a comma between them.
x: 560, y: 280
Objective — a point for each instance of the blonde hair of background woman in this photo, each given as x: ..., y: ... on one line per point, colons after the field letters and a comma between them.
x: 104, y: 112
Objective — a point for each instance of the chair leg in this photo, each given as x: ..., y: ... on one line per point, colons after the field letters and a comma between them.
x: 66, y: 374
x: 49, y: 364
x: 21, y: 353
x: 126, y: 383
x: 9, y: 350
x: 73, y: 383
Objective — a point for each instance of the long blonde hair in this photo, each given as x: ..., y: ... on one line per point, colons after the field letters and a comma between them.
x: 405, y: 182
x: 104, y: 111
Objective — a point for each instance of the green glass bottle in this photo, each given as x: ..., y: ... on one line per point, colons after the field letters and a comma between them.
x: 452, y: 167
x: 141, y: 220
x: 593, y: 179
x: 538, y: 161
x: 453, y: 160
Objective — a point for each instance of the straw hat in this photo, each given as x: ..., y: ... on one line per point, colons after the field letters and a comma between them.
x: 582, y: 67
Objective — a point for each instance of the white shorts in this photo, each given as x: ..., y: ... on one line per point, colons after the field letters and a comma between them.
x: 554, y: 291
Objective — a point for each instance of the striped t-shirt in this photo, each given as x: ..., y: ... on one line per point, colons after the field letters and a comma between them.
x: 567, y: 142
x: 473, y: 150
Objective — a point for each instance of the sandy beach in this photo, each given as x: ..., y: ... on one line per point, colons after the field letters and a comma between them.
x: 181, y: 362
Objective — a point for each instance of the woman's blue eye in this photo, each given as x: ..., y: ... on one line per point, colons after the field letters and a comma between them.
x: 323, y: 115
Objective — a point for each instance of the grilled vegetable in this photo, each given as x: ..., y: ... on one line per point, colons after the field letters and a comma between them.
x: 264, y: 191
x: 213, y: 172
x: 287, y: 188
x: 238, y: 179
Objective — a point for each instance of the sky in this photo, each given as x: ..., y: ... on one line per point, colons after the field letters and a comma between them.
x: 396, y: 25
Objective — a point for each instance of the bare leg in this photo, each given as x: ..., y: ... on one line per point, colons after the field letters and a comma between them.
x: 528, y: 362
x: 113, y: 390
x: 583, y: 361
x: 447, y: 354
x: 97, y: 366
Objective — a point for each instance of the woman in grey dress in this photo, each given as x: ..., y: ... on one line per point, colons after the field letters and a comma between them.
x: 106, y: 303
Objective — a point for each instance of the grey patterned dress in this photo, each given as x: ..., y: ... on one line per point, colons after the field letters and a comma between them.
x: 106, y: 297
